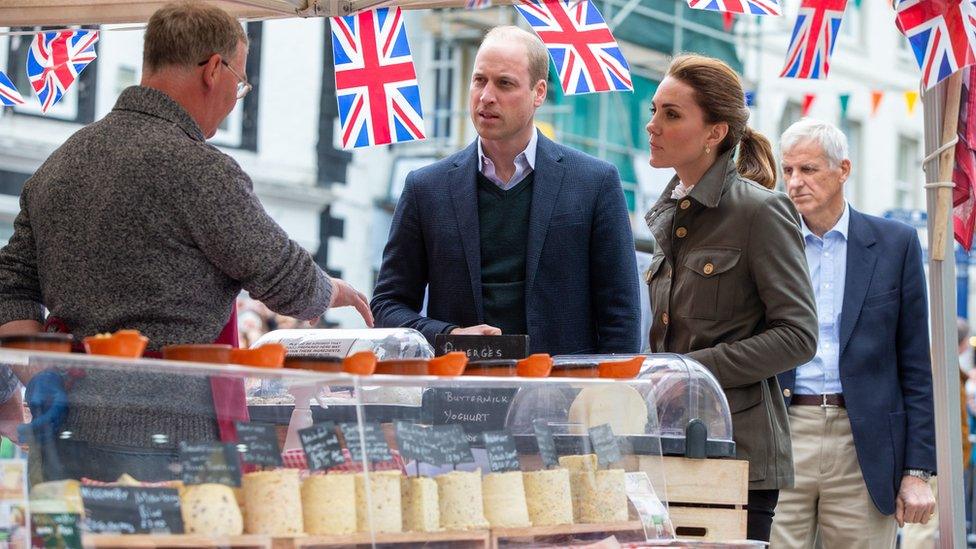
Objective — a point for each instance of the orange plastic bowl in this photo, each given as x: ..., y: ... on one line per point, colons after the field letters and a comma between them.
x: 362, y: 363
x: 57, y: 343
x: 212, y: 353
x: 269, y: 355
x: 123, y: 343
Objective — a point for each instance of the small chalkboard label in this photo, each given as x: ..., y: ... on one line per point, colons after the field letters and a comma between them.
x: 450, y: 445
x: 130, y: 510
x: 546, y: 443
x: 605, y: 444
x: 210, y: 462
x: 477, y: 410
x: 56, y: 531
x: 502, y: 455
x: 258, y: 442
x: 479, y: 347
x: 321, y: 445
x: 377, y: 448
x: 414, y: 442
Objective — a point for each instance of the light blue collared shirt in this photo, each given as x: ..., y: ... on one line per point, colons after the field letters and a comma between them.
x: 827, y: 259
x: 524, y: 163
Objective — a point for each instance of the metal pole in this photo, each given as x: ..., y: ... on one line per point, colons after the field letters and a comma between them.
x: 945, y: 370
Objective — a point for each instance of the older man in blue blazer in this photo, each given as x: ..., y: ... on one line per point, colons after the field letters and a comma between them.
x: 861, y: 411
x: 514, y: 234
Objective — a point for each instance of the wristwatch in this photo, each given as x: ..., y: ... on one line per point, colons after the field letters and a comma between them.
x: 919, y: 473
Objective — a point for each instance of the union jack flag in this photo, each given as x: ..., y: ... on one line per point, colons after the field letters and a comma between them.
x: 477, y: 4
x: 581, y: 45
x: 751, y: 7
x: 376, y: 85
x: 9, y: 96
x: 55, y: 61
x: 941, y: 33
x: 814, y: 36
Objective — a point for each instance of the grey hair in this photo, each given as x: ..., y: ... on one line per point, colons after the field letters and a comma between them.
x: 828, y: 136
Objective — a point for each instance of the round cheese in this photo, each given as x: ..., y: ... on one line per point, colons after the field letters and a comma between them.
x: 211, y: 509
x: 548, y: 497
x: 619, y: 405
x: 273, y: 503
x: 421, y: 510
x: 381, y: 509
x: 329, y: 504
x: 461, y: 504
x: 504, y: 497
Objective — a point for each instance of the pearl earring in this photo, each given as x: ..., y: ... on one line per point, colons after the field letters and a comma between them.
x: 708, y: 150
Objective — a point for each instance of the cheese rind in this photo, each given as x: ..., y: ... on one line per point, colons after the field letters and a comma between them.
x: 548, y: 496
x: 329, y: 504
x: 620, y: 406
x: 504, y: 498
x: 211, y: 509
x: 384, y: 510
x: 461, y: 504
x: 273, y: 503
x: 421, y: 510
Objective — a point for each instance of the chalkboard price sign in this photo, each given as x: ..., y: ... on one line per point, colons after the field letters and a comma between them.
x: 321, y: 445
x: 450, y: 445
x: 605, y: 444
x: 547, y: 445
x: 259, y: 443
x: 130, y: 510
x: 414, y: 442
x: 502, y: 455
x: 375, y: 442
x: 476, y: 410
x: 210, y: 462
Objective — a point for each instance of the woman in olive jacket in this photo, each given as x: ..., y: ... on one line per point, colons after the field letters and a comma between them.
x: 729, y: 284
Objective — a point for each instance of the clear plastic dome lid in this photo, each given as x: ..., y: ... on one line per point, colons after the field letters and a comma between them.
x: 385, y: 343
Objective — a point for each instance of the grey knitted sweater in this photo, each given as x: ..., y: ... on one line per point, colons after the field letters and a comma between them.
x: 136, y: 222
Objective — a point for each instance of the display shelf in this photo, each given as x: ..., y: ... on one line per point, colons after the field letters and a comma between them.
x: 501, y: 535
x: 160, y: 541
x: 472, y: 538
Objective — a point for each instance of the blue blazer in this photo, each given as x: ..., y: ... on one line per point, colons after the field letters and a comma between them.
x: 885, y: 371
x: 581, y: 293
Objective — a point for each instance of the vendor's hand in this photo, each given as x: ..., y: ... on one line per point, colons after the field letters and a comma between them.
x: 344, y: 295
x: 915, y: 502
x: 48, y: 402
x: 480, y: 330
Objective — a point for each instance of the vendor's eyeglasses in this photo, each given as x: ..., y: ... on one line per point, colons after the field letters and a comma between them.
x: 243, y: 86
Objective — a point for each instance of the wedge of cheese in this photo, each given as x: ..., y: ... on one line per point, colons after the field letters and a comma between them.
x: 620, y: 406
x: 581, y: 470
x: 421, y: 511
x: 381, y: 507
x: 273, y: 503
x: 211, y: 509
x: 329, y: 504
x: 603, y: 497
x: 549, y: 497
x: 461, y: 504
x: 504, y: 497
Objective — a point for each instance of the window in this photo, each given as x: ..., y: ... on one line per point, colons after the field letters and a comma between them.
x: 851, y: 26
x: 854, y: 189
x: 444, y: 67
x: 239, y: 129
x: 908, y: 181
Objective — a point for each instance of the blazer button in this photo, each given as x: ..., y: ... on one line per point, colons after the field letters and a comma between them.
x: 708, y: 269
x: 681, y: 232
x: 787, y: 393
x: 665, y: 318
x: 685, y: 204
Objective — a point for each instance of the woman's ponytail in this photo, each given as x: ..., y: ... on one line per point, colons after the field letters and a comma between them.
x: 756, y: 160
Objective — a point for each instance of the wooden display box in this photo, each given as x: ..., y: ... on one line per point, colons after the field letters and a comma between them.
x: 100, y: 541
x: 707, y: 497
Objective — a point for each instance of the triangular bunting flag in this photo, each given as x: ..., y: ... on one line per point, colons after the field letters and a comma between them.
x: 477, y: 4
x: 807, y: 103
x: 845, y: 99
x: 750, y: 7
x: 55, y: 61
x: 750, y: 99
x: 911, y: 98
x: 9, y: 96
x: 814, y: 36
x: 876, y: 97
x: 728, y: 21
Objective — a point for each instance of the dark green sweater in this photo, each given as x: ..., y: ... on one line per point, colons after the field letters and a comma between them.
x: 503, y: 218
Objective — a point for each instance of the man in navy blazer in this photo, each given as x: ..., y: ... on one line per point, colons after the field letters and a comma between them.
x: 861, y: 413
x: 515, y: 233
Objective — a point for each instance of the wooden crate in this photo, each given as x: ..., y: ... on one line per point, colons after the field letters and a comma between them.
x: 100, y: 541
x: 707, y: 497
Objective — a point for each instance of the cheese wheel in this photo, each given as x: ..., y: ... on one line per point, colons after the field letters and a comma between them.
x: 620, y: 406
x: 580, y: 468
x: 548, y: 497
x: 602, y: 496
x: 273, y: 503
x: 504, y: 497
x: 382, y: 511
x: 461, y: 504
x: 421, y: 511
x: 329, y: 504
x: 211, y: 509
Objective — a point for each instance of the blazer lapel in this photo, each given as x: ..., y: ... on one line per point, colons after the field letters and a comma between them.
x: 464, y: 194
x: 545, y: 189
x: 861, y: 260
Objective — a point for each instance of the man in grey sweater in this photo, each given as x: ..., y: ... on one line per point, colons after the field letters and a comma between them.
x: 136, y: 222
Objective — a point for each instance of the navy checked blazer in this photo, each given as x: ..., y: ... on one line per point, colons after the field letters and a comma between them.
x: 581, y: 282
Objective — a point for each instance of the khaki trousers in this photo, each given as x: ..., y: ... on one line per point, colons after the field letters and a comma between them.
x: 829, y: 493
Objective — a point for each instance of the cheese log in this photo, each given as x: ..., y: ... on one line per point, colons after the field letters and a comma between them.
x: 504, y: 497
x: 421, y: 511
x: 383, y: 511
x: 620, y: 406
x: 603, y: 496
x: 580, y: 469
x: 211, y: 509
x: 459, y: 495
x: 548, y: 497
x: 329, y: 504
x: 273, y: 503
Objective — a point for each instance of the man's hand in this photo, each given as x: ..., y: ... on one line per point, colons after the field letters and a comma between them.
x: 915, y: 502
x: 344, y: 295
x: 479, y: 330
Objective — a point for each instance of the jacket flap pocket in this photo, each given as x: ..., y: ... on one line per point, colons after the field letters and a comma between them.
x: 743, y: 398
x: 712, y: 261
x: 656, y: 262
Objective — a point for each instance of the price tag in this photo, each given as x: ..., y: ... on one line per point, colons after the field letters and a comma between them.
x: 414, y: 442
x: 210, y: 462
x: 374, y: 442
x: 476, y: 409
x: 131, y: 510
x: 321, y: 445
x: 502, y: 454
x: 258, y: 442
x: 653, y: 514
x: 547, y: 445
x: 450, y: 445
x: 605, y: 444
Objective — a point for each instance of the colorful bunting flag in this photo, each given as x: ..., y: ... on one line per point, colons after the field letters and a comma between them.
x: 585, y: 53
x: 751, y: 7
x: 750, y: 99
x: 807, y: 104
x: 728, y: 21
x: 477, y: 4
x: 941, y: 33
x: 964, y: 172
x: 376, y: 84
x: 845, y: 100
x: 911, y: 98
x: 55, y: 61
x: 9, y: 95
x: 876, y: 97
x: 814, y: 36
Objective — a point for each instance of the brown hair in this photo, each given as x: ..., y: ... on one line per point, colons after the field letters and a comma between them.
x: 184, y: 33
x: 718, y: 91
x: 536, y: 51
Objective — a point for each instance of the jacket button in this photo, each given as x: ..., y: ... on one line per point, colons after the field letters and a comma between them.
x: 665, y: 318
x: 685, y: 204
x: 787, y: 393
x: 681, y: 232
x: 708, y: 269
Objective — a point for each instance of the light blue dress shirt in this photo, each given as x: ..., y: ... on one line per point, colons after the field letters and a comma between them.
x: 524, y: 163
x: 827, y: 259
